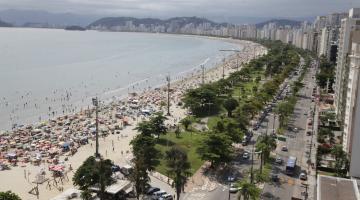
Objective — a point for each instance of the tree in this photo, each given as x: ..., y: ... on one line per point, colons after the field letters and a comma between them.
x: 216, y: 148
x: 143, y: 148
x: 8, y: 195
x: 230, y: 104
x: 155, y: 126
x: 249, y: 108
x: 249, y: 190
x: 146, y: 158
x: 158, y: 123
x: 177, y: 131
x: 145, y: 128
x: 284, y: 109
x: 202, y: 101
x: 178, y: 167
x: 94, y: 172
x: 341, y: 160
x: 265, y: 144
x: 186, y: 122
x: 139, y: 176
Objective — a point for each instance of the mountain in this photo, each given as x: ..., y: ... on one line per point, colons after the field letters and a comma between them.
x: 280, y: 22
x: 5, y: 24
x: 21, y: 17
x: 109, y: 22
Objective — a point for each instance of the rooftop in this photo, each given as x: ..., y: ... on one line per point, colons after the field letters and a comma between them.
x: 334, y: 188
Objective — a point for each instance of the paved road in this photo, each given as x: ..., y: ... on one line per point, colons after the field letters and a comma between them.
x: 298, y: 144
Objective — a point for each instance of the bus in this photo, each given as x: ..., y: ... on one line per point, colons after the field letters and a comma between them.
x: 290, y: 165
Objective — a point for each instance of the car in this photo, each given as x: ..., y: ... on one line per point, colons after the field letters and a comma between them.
x: 231, y: 178
x: 233, y: 188
x: 274, y: 177
x: 152, y: 190
x: 115, y: 168
x: 296, y: 129
x: 308, y: 133
x: 279, y: 160
x: 246, y: 155
x: 284, y: 148
x: 158, y: 194
x: 244, y: 142
x: 303, y: 175
x: 166, y: 197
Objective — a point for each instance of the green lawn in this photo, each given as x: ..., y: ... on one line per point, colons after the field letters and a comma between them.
x: 187, y: 141
x: 213, y: 120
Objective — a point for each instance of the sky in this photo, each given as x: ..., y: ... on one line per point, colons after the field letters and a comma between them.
x: 220, y: 9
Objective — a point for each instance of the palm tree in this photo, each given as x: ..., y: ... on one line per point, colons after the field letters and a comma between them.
x: 265, y: 144
x: 178, y: 167
x: 248, y: 190
x: 186, y: 122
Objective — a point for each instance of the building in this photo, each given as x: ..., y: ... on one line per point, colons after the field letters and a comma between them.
x: 324, y: 42
x: 334, y: 188
x: 354, y: 105
x: 347, y: 25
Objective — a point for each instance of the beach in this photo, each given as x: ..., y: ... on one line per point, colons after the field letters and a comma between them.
x: 68, y: 140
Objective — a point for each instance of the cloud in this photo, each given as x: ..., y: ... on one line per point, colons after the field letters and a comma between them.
x: 206, y: 8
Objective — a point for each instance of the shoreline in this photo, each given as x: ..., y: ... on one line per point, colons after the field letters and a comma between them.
x: 118, y: 151
x: 35, y: 116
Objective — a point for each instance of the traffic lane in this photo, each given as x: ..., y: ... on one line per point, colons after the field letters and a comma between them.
x: 295, y: 144
x: 280, y: 189
x: 220, y: 193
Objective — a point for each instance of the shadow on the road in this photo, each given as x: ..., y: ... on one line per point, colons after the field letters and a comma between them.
x: 269, y: 196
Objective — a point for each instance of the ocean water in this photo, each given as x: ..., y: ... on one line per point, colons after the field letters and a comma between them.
x: 46, y: 72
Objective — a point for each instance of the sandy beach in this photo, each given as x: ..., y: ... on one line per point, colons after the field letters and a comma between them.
x: 35, y: 148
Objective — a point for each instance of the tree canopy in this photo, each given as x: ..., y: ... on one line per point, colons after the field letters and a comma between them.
x: 94, y: 173
x: 178, y: 167
x: 216, y: 148
x: 8, y: 195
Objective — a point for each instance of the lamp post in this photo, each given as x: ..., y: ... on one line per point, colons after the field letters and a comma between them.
x: 224, y: 50
x: 168, y: 97
x: 95, y: 102
x: 203, y: 74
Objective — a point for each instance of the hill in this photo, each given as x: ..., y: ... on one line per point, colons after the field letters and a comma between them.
x: 280, y: 22
x: 5, y: 24
x: 109, y: 22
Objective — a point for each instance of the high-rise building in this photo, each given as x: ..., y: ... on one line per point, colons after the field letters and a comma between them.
x: 351, y: 91
x: 353, y: 106
x: 342, y: 70
x: 323, y: 42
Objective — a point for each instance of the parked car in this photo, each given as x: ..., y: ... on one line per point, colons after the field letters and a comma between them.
x: 279, y: 160
x: 115, y: 168
x: 233, y: 188
x: 158, y: 194
x: 166, y: 197
x: 308, y: 133
x: 274, y: 177
x: 151, y: 190
x: 284, y: 148
x: 231, y: 178
x: 246, y: 155
x: 303, y: 175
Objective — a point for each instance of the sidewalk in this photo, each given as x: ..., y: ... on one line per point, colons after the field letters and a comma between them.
x: 199, y: 182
